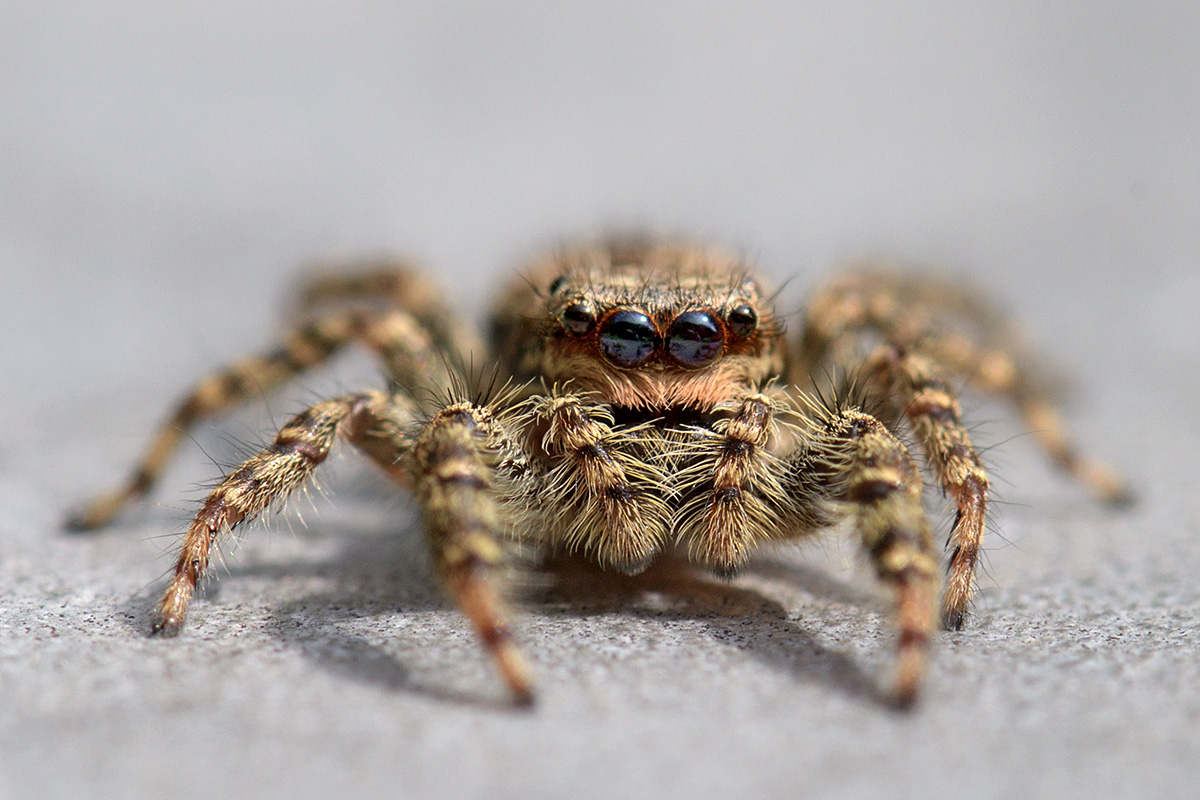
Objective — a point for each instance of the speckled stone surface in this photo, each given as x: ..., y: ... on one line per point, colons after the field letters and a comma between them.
x: 165, y: 170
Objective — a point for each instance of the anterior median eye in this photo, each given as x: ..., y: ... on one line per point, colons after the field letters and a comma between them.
x: 628, y: 338
x: 694, y: 339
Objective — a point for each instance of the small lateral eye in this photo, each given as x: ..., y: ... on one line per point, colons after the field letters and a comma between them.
x: 557, y: 283
x: 742, y: 320
x: 578, y: 318
x: 694, y: 339
x: 628, y: 338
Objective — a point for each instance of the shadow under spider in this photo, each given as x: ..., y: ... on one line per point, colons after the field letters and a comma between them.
x: 732, y: 614
x: 385, y: 576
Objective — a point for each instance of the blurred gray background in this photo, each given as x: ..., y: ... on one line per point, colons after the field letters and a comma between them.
x: 166, y: 168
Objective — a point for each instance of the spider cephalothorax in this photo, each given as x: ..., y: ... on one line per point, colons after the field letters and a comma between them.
x: 653, y: 401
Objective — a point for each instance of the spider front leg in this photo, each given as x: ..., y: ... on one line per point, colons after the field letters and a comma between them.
x: 463, y: 468
x: 855, y: 460
x: 473, y: 485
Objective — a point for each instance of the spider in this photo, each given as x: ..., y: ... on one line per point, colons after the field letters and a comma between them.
x: 650, y: 401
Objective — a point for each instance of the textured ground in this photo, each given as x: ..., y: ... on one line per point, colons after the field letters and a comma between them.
x: 164, y: 173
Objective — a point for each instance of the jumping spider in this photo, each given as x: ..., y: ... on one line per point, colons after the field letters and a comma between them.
x: 650, y: 401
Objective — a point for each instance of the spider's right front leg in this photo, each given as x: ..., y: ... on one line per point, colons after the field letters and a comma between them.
x: 471, y: 481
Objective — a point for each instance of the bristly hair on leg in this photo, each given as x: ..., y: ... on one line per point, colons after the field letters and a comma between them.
x: 848, y: 388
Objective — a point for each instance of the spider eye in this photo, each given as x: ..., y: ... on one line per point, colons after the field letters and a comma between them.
x: 694, y: 339
x: 557, y: 283
x: 578, y: 318
x: 742, y: 320
x: 628, y: 338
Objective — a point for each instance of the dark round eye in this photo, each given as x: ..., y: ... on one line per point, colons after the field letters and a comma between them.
x: 628, y: 338
x: 557, y: 283
x: 694, y: 339
x: 578, y: 318
x: 742, y: 320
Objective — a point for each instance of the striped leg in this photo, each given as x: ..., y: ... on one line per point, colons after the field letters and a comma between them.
x: 390, y: 283
x: 407, y: 351
x: 966, y: 335
x: 904, y: 307
x: 920, y: 391
x: 452, y: 466
x: 302, y: 349
x: 866, y: 467
x: 468, y: 506
x: 374, y: 422
x: 997, y: 371
x: 605, y: 489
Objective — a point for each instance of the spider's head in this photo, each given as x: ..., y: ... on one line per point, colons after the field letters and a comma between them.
x: 655, y: 326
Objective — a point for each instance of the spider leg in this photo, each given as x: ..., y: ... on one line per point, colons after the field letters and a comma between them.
x: 387, y: 283
x: 798, y: 470
x: 373, y: 421
x: 997, y: 371
x: 451, y: 466
x: 467, y: 474
x: 928, y: 314
x: 855, y: 462
x: 469, y: 477
x: 902, y: 306
x: 407, y: 352
x: 916, y: 386
x: 304, y: 348
x: 619, y: 513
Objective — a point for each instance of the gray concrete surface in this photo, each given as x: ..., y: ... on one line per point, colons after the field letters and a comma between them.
x: 165, y: 170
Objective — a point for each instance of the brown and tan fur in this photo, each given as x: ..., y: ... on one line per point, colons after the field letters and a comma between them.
x: 586, y: 451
